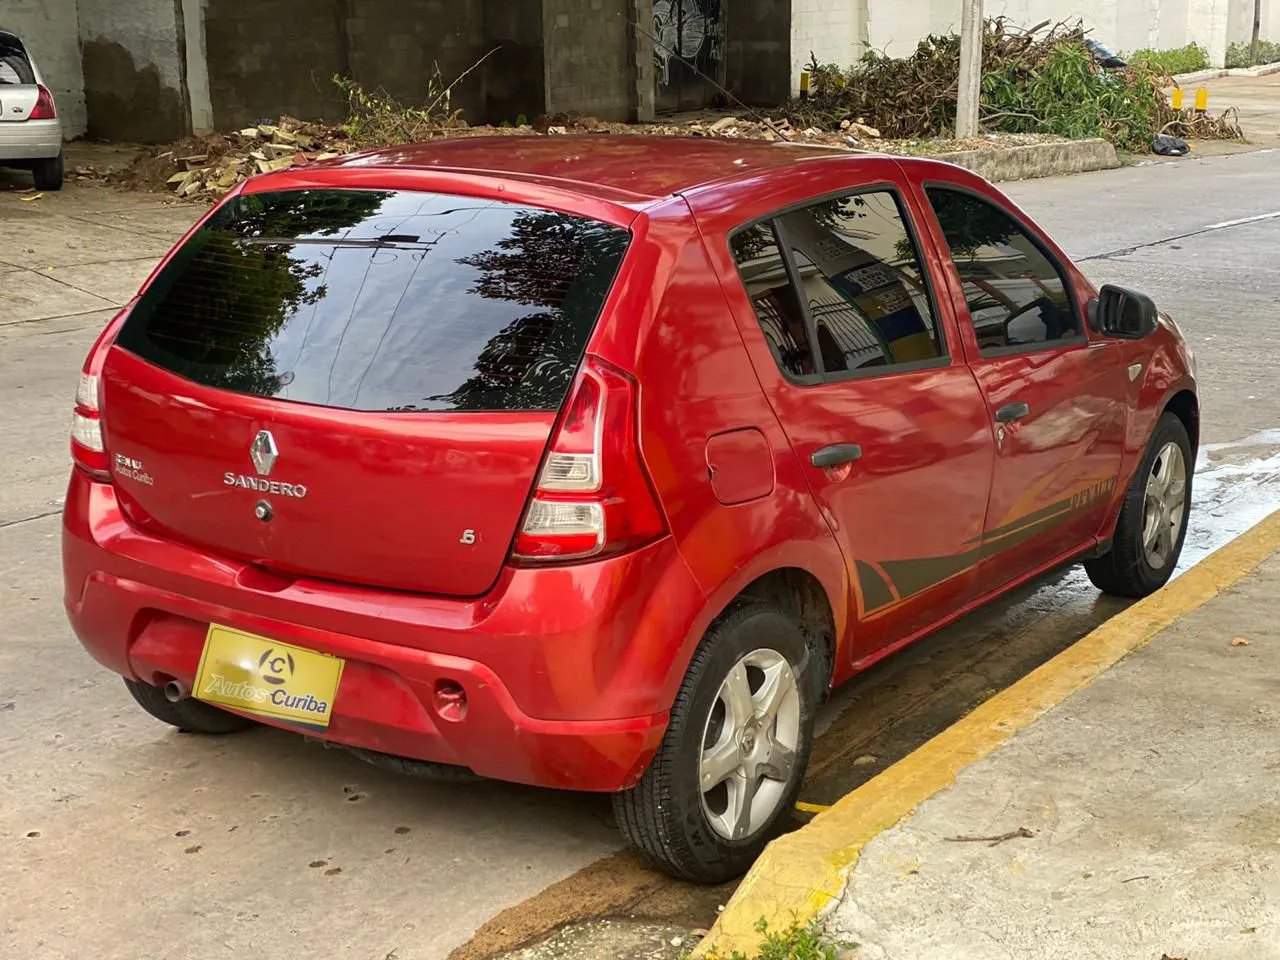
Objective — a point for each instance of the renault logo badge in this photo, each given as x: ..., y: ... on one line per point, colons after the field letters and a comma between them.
x: 263, y: 452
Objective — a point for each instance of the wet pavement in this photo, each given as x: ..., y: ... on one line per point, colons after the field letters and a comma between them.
x: 111, y: 826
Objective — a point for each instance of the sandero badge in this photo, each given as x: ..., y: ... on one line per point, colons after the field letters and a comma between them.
x: 264, y: 453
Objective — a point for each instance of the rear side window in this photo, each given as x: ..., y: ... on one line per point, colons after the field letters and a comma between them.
x: 381, y: 300
x: 838, y: 288
x: 862, y: 281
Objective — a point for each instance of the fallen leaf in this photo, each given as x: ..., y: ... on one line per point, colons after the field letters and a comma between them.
x: 34, y: 196
x: 865, y: 760
x: 1248, y: 929
x: 196, y: 849
x: 1239, y: 642
x: 333, y: 871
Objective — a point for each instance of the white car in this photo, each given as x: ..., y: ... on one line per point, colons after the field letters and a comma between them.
x: 30, y: 131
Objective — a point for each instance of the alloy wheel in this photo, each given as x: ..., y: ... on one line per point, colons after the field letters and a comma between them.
x: 749, y: 744
x: 1164, y: 505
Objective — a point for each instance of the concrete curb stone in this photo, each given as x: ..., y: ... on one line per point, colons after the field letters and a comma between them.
x: 1037, y: 160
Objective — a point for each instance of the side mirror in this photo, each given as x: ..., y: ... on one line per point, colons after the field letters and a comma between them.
x: 1123, y: 313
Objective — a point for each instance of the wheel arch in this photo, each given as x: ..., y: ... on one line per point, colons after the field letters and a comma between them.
x: 802, y: 594
x: 1186, y: 407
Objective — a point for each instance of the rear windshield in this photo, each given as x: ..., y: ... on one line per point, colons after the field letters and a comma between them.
x: 381, y: 300
x: 15, y: 68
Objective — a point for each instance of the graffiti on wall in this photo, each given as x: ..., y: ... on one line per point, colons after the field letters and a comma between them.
x: 689, y: 30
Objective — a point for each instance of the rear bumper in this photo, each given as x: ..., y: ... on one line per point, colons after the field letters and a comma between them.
x: 30, y: 140
x: 568, y: 672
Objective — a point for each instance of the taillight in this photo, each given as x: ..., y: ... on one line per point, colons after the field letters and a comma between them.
x: 88, y: 448
x: 593, y: 497
x: 44, y: 108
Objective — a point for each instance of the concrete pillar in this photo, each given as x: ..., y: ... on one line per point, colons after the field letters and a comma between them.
x: 642, y: 54
x: 198, y: 96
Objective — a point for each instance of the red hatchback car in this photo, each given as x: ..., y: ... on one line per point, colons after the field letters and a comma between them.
x: 595, y: 463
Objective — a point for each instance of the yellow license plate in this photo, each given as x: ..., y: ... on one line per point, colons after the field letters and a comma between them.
x: 267, y: 678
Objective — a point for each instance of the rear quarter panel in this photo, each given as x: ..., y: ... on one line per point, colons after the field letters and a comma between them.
x: 674, y: 331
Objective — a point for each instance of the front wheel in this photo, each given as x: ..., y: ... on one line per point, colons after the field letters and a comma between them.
x: 725, y: 779
x: 1153, y: 518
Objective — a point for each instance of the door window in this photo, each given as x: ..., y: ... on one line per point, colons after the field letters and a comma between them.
x: 765, y: 274
x: 1017, y: 295
x: 838, y: 289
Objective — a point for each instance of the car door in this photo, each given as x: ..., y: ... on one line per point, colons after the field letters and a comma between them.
x: 869, y: 384
x: 1055, y: 397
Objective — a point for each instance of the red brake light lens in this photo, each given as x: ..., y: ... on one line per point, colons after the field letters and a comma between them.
x: 88, y: 446
x: 44, y: 108
x: 593, y: 496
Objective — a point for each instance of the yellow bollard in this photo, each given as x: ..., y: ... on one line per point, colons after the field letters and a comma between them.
x: 1177, y: 98
x: 1202, y: 100
x: 804, y: 85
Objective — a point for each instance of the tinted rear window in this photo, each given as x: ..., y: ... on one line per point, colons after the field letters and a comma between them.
x: 15, y: 68
x: 381, y: 300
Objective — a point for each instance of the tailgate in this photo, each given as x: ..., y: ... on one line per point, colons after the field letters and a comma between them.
x: 354, y: 385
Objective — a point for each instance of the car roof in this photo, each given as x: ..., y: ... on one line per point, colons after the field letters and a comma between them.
x: 641, y: 167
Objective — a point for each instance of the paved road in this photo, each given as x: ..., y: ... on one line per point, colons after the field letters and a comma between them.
x: 113, y: 828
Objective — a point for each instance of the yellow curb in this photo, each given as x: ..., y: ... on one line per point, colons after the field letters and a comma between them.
x: 801, y: 873
x: 812, y: 807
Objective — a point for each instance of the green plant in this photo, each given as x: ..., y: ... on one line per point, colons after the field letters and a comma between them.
x: 376, y: 119
x: 793, y: 943
x: 1238, y: 54
x: 1186, y: 59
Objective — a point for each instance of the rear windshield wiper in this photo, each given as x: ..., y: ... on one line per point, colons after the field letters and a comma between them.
x: 388, y: 240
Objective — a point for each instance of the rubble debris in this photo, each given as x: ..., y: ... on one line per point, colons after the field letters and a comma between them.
x: 206, y: 167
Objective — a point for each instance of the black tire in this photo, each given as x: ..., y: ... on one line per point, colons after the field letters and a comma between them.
x: 189, y: 715
x: 662, y: 817
x: 1124, y: 571
x: 48, y: 173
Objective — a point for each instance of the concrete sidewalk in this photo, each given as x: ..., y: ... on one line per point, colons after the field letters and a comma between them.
x: 1152, y: 804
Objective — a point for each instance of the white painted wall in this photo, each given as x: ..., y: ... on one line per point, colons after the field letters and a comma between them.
x: 50, y: 30
x: 835, y: 29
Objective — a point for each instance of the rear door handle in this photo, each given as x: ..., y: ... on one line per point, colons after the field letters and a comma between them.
x: 836, y: 454
x: 1011, y: 412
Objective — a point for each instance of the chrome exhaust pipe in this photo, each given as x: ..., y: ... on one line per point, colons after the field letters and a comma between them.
x: 175, y: 690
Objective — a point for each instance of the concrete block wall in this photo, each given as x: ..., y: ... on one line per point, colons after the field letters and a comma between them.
x: 51, y: 30
x: 588, y: 48
x: 833, y: 31
x: 134, y: 70
x: 271, y: 57
x: 394, y: 44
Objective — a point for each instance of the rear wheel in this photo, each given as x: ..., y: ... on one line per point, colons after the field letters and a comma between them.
x: 48, y: 173
x: 1153, y: 519
x: 188, y: 715
x: 726, y: 776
